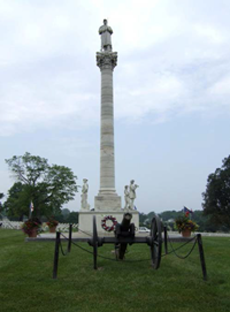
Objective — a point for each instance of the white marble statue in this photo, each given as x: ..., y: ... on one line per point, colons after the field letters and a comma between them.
x: 106, y: 31
x: 132, y: 193
x: 84, y: 195
x: 127, y: 199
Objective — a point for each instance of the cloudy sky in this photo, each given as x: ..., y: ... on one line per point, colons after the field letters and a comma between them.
x: 171, y: 92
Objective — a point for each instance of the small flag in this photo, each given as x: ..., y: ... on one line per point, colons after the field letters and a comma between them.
x: 185, y: 209
x: 31, y: 206
x: 134, y: 207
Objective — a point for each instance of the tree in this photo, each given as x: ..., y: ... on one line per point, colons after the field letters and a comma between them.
x: 47, y: 186
x: 65, y: 212
x: 18, y: 201
x: 72, y: 217
x: 217, y: 196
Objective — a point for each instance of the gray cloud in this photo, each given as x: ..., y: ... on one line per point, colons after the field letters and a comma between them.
x: 173, y: 61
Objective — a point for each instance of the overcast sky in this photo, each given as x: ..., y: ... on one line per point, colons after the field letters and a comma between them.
x: 171, y: 92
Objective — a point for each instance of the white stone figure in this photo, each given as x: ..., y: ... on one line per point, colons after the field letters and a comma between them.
x: 127, y: 199
x: 84, y: 195
x: 132, y: 193
x: 106, y: 31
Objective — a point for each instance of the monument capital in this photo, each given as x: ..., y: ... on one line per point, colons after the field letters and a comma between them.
x: 106, y: 60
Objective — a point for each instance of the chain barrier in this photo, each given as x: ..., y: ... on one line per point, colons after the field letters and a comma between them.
x: 62, y: 251
x: 82, y: 248
x: 100, y: 256
x: 189, y: 253
x: 84, y: 232
x: 137, y: 260
x: 104, y: 257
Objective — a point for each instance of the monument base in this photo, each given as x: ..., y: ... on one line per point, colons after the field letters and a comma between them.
x: 85, y: 220
x: 107, y: 202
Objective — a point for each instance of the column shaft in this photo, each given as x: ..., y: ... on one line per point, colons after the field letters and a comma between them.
x: 107, y: 167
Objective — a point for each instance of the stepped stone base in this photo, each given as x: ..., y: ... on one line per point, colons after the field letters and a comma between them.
x: 86, y: 220
x: 107, y: 202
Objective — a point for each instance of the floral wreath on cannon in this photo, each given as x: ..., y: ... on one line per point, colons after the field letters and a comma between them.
x: 108, y: 228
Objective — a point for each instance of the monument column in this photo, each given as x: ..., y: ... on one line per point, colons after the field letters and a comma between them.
x: 107, y: 198
x: 107, y: 202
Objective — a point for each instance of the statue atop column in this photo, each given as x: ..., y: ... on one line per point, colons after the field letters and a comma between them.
x: 84, y: 195
x: 106, y: 31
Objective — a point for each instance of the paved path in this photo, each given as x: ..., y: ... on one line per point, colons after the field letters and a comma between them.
x: 174, y: 236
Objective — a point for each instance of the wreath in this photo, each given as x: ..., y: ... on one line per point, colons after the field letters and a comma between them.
x: 108, y: 228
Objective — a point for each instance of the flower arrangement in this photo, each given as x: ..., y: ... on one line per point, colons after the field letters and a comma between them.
x: 105, y: 226
x: 30, y: 225
x: 184, y: 223
x: 52, y: 223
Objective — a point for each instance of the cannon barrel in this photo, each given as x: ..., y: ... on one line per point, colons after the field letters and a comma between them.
x: 124, y: 229
x: 125, y: 223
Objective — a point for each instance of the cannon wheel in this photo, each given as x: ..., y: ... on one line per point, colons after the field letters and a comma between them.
x: 156, y: 242
x: 95, y: 243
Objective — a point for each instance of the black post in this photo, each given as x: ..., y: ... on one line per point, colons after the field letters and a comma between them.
x: 166, y: 239
x: 70, y: 237
x: 202, y: 259
x: 56, y: 255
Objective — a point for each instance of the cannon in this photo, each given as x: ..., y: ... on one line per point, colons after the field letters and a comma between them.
x: 124, y: 229
x: 125, y: 234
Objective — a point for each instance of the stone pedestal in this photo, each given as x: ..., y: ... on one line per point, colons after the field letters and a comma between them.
x: 107, y: 202
x: 86, y: 220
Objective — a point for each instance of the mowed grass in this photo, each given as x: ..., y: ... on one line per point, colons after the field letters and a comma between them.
x: 26, y: 283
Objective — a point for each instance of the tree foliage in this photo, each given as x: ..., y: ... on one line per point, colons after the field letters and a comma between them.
x: 217, y: 196
x: 168, y: 217
x: 18, y: 201
x: 47, y: 186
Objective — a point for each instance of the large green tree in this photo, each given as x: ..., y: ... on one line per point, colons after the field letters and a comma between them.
x: 47, y: 186
x: 18, y: 201
x: 217, y: 195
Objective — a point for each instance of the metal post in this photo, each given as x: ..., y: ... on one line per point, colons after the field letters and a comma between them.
x: 202, y: 259
x: 70, y: 237
x: 56, y: 255
x: 166, y: 239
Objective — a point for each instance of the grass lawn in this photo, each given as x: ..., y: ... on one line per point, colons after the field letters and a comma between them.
x: 26, y: 283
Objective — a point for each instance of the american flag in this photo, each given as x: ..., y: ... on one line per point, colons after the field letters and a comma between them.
x: 185, y: 209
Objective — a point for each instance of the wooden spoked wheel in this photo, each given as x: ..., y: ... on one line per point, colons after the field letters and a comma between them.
x: 156, y: 242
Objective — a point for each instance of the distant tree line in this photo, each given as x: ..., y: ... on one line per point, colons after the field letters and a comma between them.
x: 49, y: 187
x: 216, y: 204
x: 205, y: 223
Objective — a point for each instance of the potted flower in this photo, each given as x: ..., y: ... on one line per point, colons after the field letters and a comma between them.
x: 52, y: 224
x: 31, y: 227
x: 185, y: 226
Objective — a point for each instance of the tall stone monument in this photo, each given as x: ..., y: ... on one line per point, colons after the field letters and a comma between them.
x: 107, y: 203
x: 107, y: 198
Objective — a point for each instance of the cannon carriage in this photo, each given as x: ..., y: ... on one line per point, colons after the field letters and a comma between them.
x: 125, y: 235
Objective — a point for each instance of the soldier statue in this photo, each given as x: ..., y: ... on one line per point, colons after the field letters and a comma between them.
x: 127, y: 199
x: 84, y: 195
x: 132, y: 193
x: 106, y: 31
